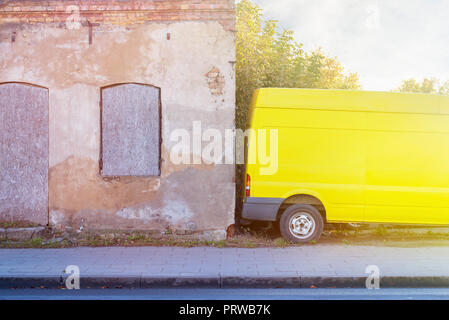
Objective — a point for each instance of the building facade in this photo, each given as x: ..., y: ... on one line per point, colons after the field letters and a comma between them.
x: 92, y: 94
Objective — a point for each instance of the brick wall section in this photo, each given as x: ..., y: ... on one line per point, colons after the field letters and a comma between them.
x: 123, y: 12
x: 216, y: 81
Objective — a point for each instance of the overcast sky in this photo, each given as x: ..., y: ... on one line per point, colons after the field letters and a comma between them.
x: 385, y: 41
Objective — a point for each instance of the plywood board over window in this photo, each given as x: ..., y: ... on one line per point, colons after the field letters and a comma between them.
x: 130, y: 130
x: 23, y: 153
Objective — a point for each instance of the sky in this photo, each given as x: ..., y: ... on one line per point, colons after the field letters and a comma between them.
x: 385, y: 41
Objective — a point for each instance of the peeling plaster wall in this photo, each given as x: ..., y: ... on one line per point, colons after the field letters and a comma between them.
x: 185, y: 197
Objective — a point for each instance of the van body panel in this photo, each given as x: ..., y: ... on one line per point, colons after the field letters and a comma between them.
x: 367, y: 156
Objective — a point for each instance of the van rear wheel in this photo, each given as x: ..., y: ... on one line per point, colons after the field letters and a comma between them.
x: 301, y: 223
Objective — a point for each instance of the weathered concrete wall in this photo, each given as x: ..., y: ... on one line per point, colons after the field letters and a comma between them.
x: 176, y: 57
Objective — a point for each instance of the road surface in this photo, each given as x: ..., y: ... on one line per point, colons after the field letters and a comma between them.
x: 225, y: 294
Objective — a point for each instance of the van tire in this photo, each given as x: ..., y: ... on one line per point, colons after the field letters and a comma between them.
x: 305, y: 219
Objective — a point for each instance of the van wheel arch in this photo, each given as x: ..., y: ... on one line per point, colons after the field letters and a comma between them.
x: 302, y: 199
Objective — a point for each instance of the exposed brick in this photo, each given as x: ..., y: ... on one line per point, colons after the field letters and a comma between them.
x: 215, y: 81
x: 132, y: 11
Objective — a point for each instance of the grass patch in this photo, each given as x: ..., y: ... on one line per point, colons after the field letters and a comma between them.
x: 17, y: 224
x: 380, y: 231
x: 257, y: 236
x: 280, y: 242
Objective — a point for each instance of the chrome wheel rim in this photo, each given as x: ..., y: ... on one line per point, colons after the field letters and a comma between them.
x: 302, y: 225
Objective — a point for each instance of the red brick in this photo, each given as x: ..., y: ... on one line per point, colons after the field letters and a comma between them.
x: 163, y: 10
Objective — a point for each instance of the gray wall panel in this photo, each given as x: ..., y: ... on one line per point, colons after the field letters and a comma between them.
x: 24, y: 153
x: 130, y: 130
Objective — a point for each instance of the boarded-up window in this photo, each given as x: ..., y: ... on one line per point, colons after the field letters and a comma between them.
x: 130, y: 122
x: 23, y: 153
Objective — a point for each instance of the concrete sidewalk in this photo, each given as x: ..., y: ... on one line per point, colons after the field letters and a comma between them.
x: 298, y: 267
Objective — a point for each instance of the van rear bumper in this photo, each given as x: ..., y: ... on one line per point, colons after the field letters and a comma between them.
x: 264, y: 209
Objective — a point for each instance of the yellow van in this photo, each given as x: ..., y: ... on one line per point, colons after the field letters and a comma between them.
x: 346, y: 157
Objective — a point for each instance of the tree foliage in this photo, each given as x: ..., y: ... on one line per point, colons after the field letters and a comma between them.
x: 431, y: 85
x: 269, y: 57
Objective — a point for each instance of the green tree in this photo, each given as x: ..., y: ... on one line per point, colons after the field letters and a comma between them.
x: 444, y: 89
x: 428, y: 85
x: 269, y: 57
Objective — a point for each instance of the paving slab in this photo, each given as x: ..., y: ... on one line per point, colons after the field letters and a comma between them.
x: 300, y: 267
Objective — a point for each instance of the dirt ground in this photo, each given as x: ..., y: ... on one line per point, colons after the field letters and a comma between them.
x: 373, y: 235
x: 255, y: 235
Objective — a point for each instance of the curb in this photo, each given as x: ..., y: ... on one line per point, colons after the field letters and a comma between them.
x: 216, y: 282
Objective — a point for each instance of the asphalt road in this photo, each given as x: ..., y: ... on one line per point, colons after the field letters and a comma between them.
x: 225, y: 294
